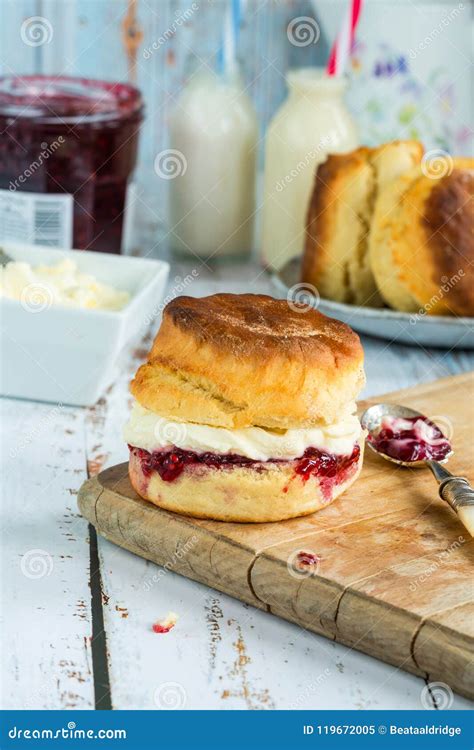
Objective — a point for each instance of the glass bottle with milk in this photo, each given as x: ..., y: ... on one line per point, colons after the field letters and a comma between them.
x: 212, y: 200
x: 311, y: 123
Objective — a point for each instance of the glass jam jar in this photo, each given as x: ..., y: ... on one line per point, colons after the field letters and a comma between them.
x: 68, y: 149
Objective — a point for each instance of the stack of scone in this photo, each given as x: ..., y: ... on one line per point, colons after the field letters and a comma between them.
x: 384, y: 228
x: 245, y: 410
x: 421, y: 243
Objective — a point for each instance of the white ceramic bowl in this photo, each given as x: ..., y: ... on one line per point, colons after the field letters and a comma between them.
x: 67, y: 355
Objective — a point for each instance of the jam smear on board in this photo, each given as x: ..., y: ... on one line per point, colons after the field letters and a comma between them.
x: 307, y: 559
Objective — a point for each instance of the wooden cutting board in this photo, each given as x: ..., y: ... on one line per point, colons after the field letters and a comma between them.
x: 393, y: 575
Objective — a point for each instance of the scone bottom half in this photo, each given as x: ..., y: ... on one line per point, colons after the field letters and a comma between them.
x: 219, y: 428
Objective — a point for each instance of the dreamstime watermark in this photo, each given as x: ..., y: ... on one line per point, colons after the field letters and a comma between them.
x: 302, y: 297
x: 303, y: 31
x: 36, y: 297
x: 170, y: 696
x: 437, y: 695
x: 46, y: 150
x: 441, y: 558
x: 178, y: 555
x: 445, y: 425
x: 310, y: 690
x: 169, y: 433
x: 36, y: 432
x: 180, y: 20
x: 71, y: 732
x: 303, y: 164
x: 36, y: 563
x: 436, y: 32
x: 303, y: 563
x: 446, y: 285
x: 180, y: 284
x: 283, y: 447
x: 36, y: 31
x: 437, y: 164
x: 37, y: 698
x: 170, y: 163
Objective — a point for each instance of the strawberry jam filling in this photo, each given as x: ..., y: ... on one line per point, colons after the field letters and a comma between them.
x: 170, y: 464
x: 411, y: 439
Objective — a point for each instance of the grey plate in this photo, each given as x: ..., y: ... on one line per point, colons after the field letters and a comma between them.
x: 404, y: 328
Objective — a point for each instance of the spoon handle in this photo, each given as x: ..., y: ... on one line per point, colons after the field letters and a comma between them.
x: 457, y: 492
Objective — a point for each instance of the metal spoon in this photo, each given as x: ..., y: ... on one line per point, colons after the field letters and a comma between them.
x: 456, y: 491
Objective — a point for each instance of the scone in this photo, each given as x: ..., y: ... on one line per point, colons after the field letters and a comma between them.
x: 245, y: 410
x: 336, y: 258
x: 422, y: 243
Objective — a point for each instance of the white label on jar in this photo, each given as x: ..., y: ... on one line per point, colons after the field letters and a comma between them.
x: 36, y: 218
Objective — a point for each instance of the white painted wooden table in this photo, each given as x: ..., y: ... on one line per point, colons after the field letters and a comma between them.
x: 77, y: 611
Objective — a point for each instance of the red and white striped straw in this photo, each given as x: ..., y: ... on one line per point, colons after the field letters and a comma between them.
x: 342, y: 47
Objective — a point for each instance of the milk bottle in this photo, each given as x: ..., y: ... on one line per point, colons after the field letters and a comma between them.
x: 212, y: 200
x: 311, y: 123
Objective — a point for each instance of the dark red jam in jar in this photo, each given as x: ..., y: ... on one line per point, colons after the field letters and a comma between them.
x: 68, y: 148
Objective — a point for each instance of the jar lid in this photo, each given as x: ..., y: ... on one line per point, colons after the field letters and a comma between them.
x: 48, y: 99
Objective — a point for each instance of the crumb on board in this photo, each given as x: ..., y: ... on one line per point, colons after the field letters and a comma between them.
x: 165, y: 625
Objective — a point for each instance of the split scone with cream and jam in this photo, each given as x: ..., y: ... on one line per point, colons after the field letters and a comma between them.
x: 245, y: 410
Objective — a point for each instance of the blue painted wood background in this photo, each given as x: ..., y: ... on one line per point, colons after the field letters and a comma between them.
x: 410, y: 74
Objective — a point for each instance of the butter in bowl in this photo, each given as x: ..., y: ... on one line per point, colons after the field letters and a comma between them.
x: 67, y: 315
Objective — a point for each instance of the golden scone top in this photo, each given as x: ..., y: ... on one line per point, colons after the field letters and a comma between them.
x: 448, y: 221
x: 240, y: 360
x: 422, y: 241
x: 256, y: 324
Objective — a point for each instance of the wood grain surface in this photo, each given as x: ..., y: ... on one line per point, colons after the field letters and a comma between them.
x: 394, y: 577
x: 78, y: 632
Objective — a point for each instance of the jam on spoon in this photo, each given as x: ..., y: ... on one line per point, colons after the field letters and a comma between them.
x: 406, y: 437
x: 410, y: 439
